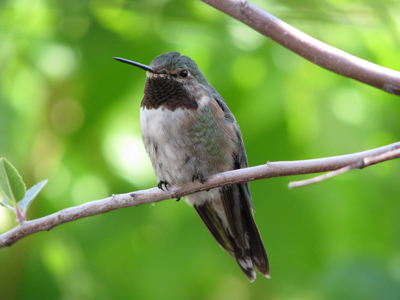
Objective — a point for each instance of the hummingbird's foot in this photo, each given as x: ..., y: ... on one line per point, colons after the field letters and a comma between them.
x: 199, y: 178
x: 178, y: 199
x: 162, y: 183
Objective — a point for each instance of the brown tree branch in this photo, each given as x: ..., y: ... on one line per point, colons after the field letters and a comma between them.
x: 311, y: 49
x: 271, y: 169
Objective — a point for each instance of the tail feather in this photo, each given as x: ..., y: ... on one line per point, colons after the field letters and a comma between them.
x: 259, y: 254
x: 245, y: 262
x: 214, y: 225
x: 235, y: 230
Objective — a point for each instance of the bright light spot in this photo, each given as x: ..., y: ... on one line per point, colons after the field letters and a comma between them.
x: 121, y: 20
x: 57, y: 61
x: 122, y: 144
x: 27, y: 92
x: 5, y: 217
x: 125, y: 152
x: 131, y: 150
x: 348, y: 106
x: 87, y: 188
x: 57, y: 259
x: 64, y: 260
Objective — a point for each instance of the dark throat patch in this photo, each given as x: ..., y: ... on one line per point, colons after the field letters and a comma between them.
x: 166, y: 92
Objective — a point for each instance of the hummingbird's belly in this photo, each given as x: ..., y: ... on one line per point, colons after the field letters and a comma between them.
x: 186, y: 144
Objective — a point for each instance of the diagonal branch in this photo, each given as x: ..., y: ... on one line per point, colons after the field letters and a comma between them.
x: 271, y: 169
x: 315, y: 51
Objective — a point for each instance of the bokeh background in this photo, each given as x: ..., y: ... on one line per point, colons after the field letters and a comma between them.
x: 70, y: 113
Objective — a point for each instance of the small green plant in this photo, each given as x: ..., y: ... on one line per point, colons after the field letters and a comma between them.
x: 14, y: 190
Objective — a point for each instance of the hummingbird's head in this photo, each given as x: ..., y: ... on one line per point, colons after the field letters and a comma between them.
x: 178, y: 66
x: 173, y: 81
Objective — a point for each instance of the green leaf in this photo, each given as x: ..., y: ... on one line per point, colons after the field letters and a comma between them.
x: 30, y: 195
x: 11, y: 182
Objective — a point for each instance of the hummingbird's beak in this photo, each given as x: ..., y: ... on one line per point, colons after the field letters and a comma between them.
x: 136, y: 64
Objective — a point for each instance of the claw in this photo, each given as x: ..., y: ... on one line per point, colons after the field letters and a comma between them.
x: 202, y: 179
x: 178, y: 199
x: 161, y: 183
x: 199, y: 178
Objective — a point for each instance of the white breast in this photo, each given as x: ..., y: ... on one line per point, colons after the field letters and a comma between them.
x: 170, y: 147
x: 161, y: 132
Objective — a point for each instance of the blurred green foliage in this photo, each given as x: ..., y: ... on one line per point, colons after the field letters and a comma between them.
x: 70, y: 113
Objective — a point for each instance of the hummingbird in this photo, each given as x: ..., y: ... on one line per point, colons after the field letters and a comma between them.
x: 190, y: 134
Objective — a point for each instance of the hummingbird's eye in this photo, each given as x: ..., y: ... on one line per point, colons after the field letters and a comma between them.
x: 184, y: 73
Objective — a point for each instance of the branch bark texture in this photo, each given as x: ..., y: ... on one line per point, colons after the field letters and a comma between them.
x: 313, y: 50
x: 271, y: 169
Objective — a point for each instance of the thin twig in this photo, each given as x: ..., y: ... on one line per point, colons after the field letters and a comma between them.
x: 316, y: 179
x: 365, y: 162
x: 271, y: 169
x: 315, y: 51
